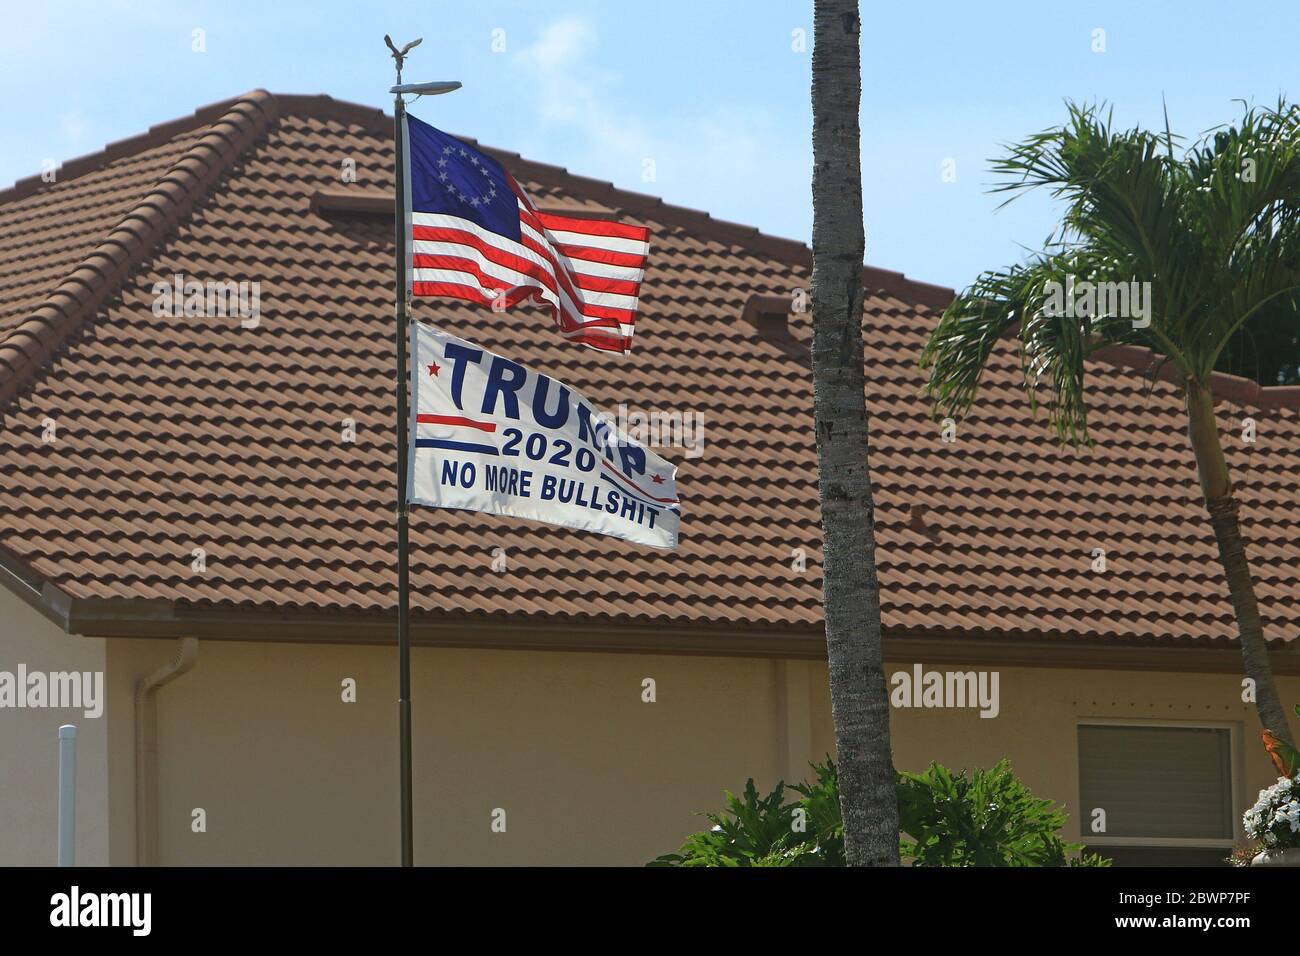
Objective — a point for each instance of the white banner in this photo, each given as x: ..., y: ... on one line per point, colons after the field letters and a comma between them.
x: 488, y: 434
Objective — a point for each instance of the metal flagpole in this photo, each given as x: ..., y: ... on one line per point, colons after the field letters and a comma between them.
x: 401, y: 237
x: 403, y: 557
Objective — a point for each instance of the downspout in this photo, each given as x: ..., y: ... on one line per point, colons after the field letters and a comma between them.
x: 146, y: 748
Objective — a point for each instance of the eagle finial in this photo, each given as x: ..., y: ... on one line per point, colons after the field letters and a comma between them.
x: 400, y: 55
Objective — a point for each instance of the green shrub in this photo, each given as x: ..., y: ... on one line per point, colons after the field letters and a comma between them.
x: 766, y: 831
x: 988, y: 818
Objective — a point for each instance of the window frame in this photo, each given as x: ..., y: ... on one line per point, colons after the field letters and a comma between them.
x: 1100, y: 840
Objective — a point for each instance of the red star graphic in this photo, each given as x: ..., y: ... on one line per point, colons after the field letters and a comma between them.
x: 658, y: 479
x: 433, y: 370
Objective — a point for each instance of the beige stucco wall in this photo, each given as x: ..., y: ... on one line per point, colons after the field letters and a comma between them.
x: 258, y: 737
x: 1042, y: 708
x: 29, y: 749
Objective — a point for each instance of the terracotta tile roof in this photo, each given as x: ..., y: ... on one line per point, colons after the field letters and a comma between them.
x: 181, y: 433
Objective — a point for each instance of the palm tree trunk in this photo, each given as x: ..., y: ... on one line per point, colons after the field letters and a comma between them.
x: 1212, y: 469
x: 850, y: 591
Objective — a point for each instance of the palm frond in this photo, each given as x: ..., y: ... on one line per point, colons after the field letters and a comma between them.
x: 1054, y: 338
x: 1211, y: 238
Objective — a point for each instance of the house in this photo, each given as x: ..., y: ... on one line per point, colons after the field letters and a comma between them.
x: 197, y: 506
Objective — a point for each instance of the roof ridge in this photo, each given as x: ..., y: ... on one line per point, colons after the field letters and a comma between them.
x: 616, y: 197
x: 235, y: 125
x: 1223, y: 385
x: 155, y: 135
x: 375, y: 119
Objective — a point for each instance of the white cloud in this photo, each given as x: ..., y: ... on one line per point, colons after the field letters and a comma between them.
x: 561, y: 44
x: 557, y: 70
x: 73, y: 128
x: 709, y: 158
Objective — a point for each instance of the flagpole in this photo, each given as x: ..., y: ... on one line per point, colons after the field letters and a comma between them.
x: 401, y: 234
x: 403, y: 541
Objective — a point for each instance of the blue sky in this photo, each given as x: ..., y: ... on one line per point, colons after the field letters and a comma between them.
x: 713, y: 93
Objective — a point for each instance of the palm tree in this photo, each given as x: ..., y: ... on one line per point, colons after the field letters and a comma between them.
x: 1212, y: 229
x: 850, y: 591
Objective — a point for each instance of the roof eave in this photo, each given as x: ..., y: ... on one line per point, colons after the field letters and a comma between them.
x: 164, y: 619
x: 35, y: 591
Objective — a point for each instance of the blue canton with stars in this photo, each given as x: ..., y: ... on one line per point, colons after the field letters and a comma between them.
x: 453, y: 178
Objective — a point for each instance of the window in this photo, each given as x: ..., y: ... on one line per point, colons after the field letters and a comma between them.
x: 1166, y: 790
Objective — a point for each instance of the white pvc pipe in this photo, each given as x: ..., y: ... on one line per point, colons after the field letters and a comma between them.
x: 67, y: 793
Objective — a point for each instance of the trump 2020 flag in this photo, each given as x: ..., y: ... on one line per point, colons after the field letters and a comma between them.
x: 489, y: 434
x: 475, y: 235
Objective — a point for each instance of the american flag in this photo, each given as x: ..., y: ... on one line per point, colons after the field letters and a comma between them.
x: 476, y: 235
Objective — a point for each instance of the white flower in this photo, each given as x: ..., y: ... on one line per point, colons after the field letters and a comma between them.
x: 1275, y: 817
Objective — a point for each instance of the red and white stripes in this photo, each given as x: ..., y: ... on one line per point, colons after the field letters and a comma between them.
x: 588, y: 270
